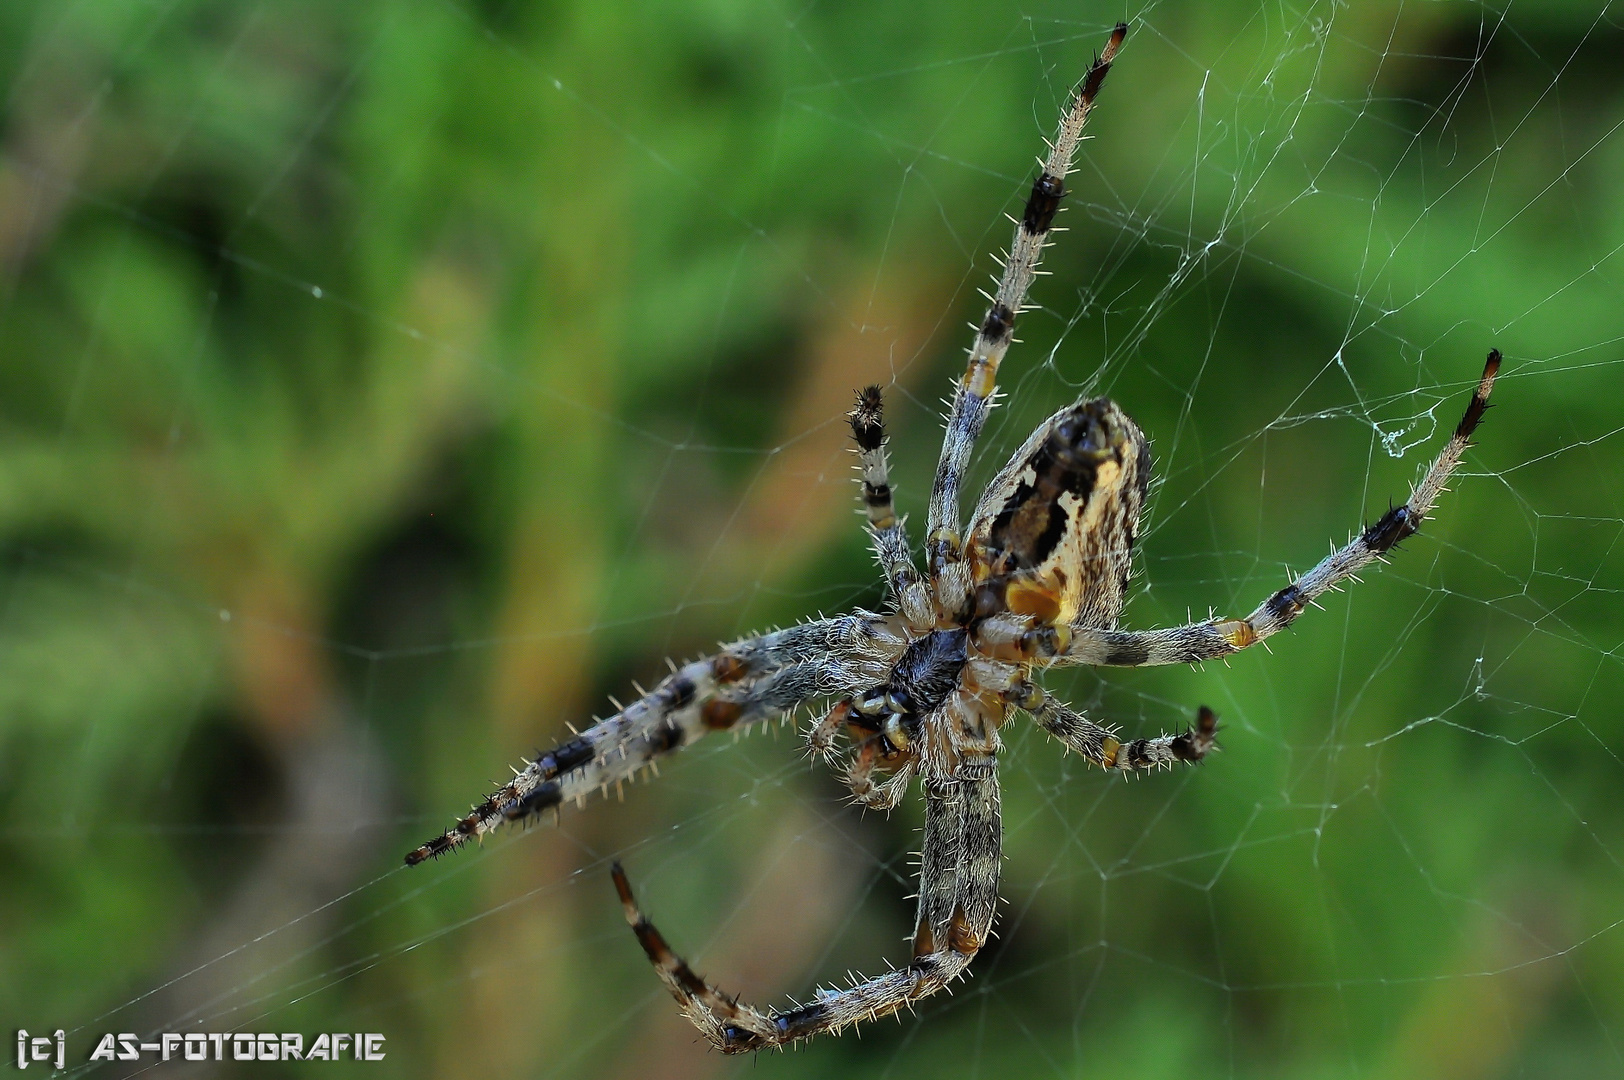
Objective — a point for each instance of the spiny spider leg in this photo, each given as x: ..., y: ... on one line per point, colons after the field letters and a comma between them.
x: 888, y: 531
x: 888, y: 794
x: 749, y: 681
x: 973, y: 392
x: 958, y: 895
x: 1195, y: 642
x: 822, y: 736
x: 1101, y: 746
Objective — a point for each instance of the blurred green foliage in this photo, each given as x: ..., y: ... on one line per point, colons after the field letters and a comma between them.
x: 384, y: 384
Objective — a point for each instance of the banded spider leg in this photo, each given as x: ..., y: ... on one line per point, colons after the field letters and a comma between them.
x: 749, y: 681
x: 1213, y: 638
x: 958, y: 896
x: 972, y: 395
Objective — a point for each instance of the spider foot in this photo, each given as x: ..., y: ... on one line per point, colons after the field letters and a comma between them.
x: 1200, y: 740
x: 822, y: 737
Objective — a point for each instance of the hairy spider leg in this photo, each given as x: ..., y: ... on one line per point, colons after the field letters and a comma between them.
x: 888, y: 794
x: 1195, y: 642
x: 749, y: 681
x: 1101, y: 746
x: 972, y: 394
x: 888, y: 532
x: 958, y: 897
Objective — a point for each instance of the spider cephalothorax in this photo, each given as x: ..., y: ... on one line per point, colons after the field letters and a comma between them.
x: 921, y: 689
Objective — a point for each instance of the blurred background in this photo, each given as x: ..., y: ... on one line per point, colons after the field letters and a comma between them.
x: 383, y: 385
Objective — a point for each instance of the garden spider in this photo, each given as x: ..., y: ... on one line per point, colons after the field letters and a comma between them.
x: 1037, y: 582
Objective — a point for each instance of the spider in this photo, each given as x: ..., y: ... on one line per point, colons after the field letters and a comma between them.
x: 1036, y: 582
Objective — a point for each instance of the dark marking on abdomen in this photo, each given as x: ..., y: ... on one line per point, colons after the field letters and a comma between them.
x: 1032, y: 521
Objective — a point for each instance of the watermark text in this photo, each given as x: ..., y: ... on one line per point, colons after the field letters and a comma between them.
x: 51, y: 1050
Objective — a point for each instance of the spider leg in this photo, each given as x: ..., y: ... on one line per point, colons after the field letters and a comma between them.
x: 972, y: 394
x: 1101, y: 746
x: 1195, y: 642
x: 860, y: 777
x: 749, y: 681
x: 825, y: 730
x: 958, y: 896
x: 888, y: 532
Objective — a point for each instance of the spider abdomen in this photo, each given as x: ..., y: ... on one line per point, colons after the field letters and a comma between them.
x: 1053, y: 536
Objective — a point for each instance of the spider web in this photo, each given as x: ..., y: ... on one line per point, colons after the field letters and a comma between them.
x: 387, y: 386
